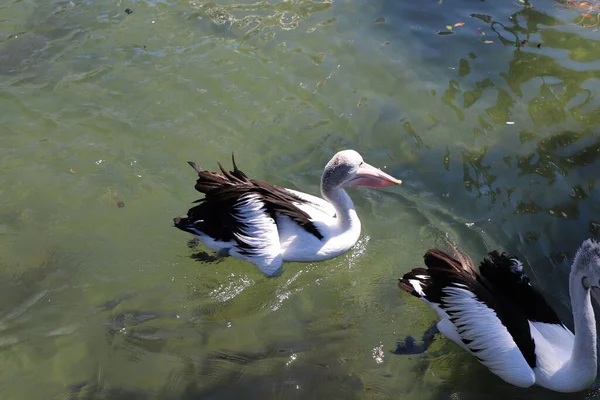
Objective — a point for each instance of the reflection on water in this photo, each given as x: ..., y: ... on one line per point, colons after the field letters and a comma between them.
x: 492, y: 128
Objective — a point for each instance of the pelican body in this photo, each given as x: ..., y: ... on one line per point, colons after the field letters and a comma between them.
x: 266, y: 225
x: 495, y: 314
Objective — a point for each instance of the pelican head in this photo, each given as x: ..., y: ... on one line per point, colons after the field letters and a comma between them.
x: 348, y: 169
x: 586, y: 266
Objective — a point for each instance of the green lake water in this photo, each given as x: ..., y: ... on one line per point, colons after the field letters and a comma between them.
x: 494, y: 130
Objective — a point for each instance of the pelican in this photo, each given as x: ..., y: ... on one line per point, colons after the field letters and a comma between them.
x: 266, y: 225
x: 497, y: 316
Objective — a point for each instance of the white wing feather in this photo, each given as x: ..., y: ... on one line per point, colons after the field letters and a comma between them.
x: 260, y: 233
x: 479, y: 324
x: 317, y: 204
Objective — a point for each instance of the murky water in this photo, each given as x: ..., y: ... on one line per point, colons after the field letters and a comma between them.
x: 493, y: 129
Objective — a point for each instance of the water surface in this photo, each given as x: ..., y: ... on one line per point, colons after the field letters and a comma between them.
x: 493, y: 129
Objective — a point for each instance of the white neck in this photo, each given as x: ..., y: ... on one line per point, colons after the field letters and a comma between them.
x: 583, y: 361
x: 347, y: 218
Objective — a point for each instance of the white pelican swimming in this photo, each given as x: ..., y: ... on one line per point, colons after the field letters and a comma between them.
x: 497, y: 316
x: 266, y: 225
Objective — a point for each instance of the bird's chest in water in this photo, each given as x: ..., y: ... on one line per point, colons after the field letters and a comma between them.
x: 300, y: 245
x: 294, y: 239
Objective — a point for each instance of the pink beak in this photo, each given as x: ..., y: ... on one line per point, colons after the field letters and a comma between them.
x: 372, y: 177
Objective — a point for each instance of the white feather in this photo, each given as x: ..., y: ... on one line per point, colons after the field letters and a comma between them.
x: 557, y: 337
x: 556, y: 368
x: 444, y: 325
x: 315, y: 206
x: 479, y: 324
x: 447, y: 328
x: 300, y: 246
x: 417, y: 286
x: 260, y: 234
x: 218, y: 246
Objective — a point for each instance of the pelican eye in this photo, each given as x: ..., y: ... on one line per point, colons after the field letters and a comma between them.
x: 585, y: 282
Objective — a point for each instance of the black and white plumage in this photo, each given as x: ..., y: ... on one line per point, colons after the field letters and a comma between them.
x: 495, y: 314
x: 266, y: 225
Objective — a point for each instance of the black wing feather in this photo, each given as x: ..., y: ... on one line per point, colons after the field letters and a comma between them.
x: 447, y: 270
x: 214, y: 214
x: 505, y: 272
